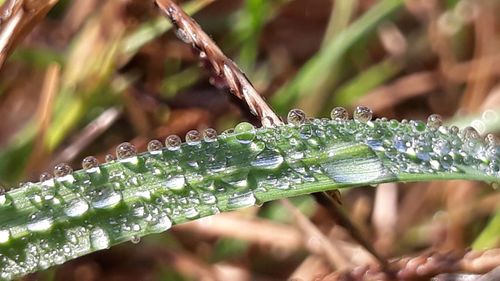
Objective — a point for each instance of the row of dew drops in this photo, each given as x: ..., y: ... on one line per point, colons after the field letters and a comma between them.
x: 244, y: 133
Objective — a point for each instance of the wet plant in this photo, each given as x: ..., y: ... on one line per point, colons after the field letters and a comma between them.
x: 67, y: 213
x: 73, y: 213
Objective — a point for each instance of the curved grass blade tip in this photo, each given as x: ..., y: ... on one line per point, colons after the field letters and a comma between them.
x: 74, y: 213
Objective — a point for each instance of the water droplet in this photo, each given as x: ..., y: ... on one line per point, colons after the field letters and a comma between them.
x: 434, y: 121
x: 90, y: 163
x: 491, y: 139
x: 161, y: 223
x: 193, y: 137
x: 339, y: 114
x: 45, y: 177
x: 109, y: 158
x: 4, y: 236
x: 125, y: 150
x: 417, y: 126
x: 469, y: 133
x: 183, y: 36
x: 155, y: 146
x: 3, y: 198
x: 208, y: 198
x: 62, y: 170
x: 175, y: 182
x: 245, y: 132
x: 209, y: 135
x: 106, y: 198
x: 173, y: 142
x: 268, y: 159
x: 296, y: 117
x: 191, y: 213
x: 362, y: 114
x: 99, y: 239
x: 441, y: 147
x: 135, y: 239
x: 39, y: 221
x: 76, y: 208
x: 240, y: 200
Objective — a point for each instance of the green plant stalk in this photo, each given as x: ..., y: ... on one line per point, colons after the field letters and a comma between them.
x: 490, y: 236
x: 47, y: 223
x: 329, y: 57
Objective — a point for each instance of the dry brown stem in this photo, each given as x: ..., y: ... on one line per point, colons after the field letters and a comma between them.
x: 223, y: 68
x: 18, y: 18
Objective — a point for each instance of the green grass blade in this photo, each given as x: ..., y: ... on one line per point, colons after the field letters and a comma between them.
x: 314, y: 74
x: 490, y: 236
x: 369, y: 79
x: 47, y: 223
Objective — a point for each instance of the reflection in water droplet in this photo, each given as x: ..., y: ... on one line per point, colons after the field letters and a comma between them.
x: 245, y: 132
x: 362, y: 114
x: 296, y: 117
x: 434, y: 121
x: 45, y: 177
x: 193, y: 137
x: 106, y: 198
x: 99, y: 239
x: 339, y: 114
x: 125, y: 150
x: 61, y: 170
x: 191, y: 213
x: 209, y: 135
x: 175, y: 182
x: 161, y: 223
x: 39, y: 222
x: 76, y: 208
x: 173, y: 142
x: 109, y: 158
x: 208, y: 198
x: 90, y: 163
x: 135, y: 239
x: 155, y: 146
x: 183, y: 36
x: 241, y: 200
x: 268, y: 159
x: 4, y: 236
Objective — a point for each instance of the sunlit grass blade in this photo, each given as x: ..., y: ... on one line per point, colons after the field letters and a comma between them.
x: 52, y: 221
x: 490, y: 236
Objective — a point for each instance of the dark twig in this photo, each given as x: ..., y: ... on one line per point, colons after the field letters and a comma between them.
x: 18, y: 18
x: 223, y: 68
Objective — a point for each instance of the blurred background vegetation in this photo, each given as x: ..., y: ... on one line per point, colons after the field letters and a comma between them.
x: 92, y: 74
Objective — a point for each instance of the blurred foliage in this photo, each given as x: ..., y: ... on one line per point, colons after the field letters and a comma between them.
x: 405, y: 59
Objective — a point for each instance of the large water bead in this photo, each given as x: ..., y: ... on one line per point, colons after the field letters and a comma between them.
x: 296, y: 117
x: 209, y: 135
x: 173, y: 142
x: 193, y: 137
x: 434, y: 121
x: 155, y: 146
x: 89, y: 162
x: 45, y: 176
x: 109, y: 158
x: 245, y: 132
x: 362, y: 114
x: 125, y: 150
x: 62, y: 169
x: 339, y: 114
x: 469, y: 133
